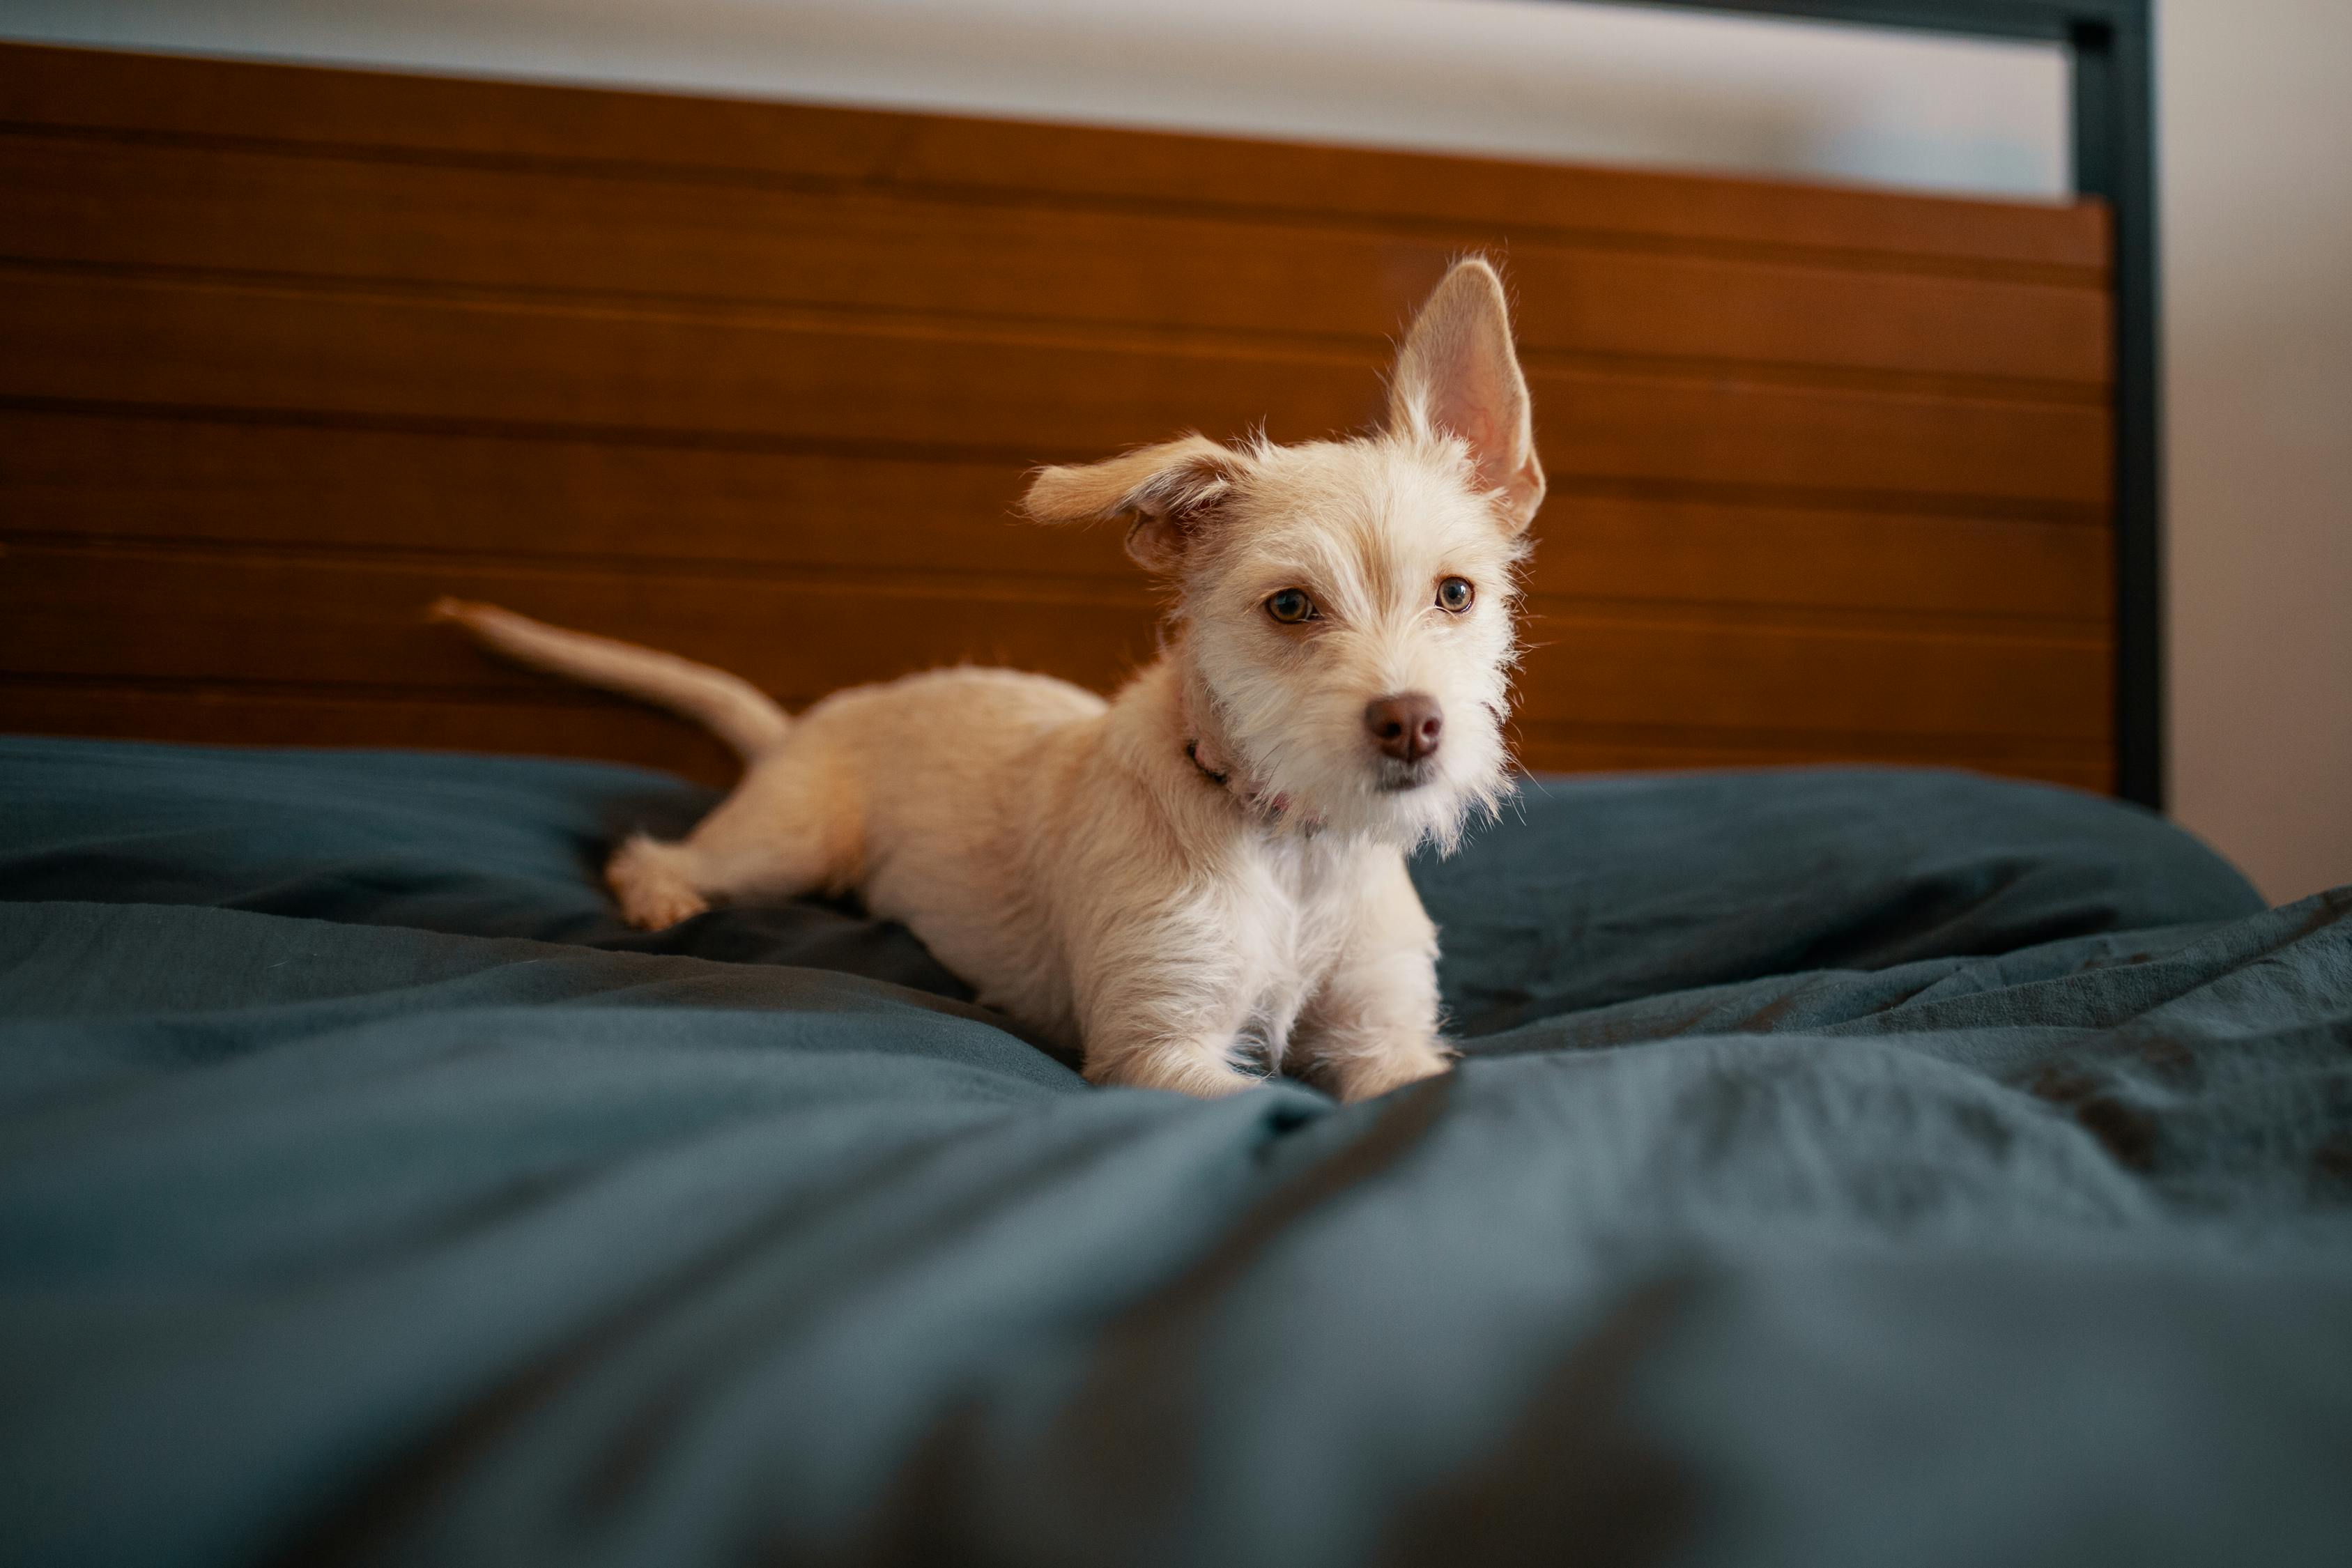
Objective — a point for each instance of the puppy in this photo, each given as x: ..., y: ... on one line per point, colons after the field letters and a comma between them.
x: 1202, y: 880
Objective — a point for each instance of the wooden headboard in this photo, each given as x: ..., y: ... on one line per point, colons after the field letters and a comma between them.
x: 285, y: 352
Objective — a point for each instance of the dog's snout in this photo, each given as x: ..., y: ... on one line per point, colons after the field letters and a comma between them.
x: 1406, y: 726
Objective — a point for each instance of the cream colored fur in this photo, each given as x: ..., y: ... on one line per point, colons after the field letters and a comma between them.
x: 1073, y: 858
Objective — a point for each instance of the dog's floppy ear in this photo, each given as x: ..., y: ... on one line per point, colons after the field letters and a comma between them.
x: 1168, y: 491
x: 1458, y: 374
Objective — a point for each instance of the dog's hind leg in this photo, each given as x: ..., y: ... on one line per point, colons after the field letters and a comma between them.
x: 789, y: 828
x: 655, y: 882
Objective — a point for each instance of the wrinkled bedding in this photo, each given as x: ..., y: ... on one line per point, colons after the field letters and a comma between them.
x: 1846, y: 1166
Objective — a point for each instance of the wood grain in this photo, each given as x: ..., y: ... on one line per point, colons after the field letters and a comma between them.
x: 287, y: 714
x: 285, y: 214
x: 559, y: 724
x: 573, y: 128
x: 426, y: 494
x: 1593, y: 748
x: 203, y: 615
x: 796, y: 376
x: 286, y: 353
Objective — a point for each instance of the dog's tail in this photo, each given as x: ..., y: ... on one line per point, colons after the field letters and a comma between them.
x: 728, y: 706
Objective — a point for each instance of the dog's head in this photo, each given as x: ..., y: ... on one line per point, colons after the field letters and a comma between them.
x: 1346, y: 606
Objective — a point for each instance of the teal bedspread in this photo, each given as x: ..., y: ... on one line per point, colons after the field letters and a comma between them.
x: 1847, y: 1167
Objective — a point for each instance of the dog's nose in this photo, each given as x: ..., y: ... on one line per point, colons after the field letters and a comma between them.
x: 1406, y: 726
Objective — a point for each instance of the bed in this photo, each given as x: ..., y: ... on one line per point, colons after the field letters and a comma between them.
x: 1847, y: 1166
x: 1874, y: 1142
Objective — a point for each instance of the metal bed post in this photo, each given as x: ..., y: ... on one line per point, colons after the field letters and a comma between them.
x: 2113, y: 135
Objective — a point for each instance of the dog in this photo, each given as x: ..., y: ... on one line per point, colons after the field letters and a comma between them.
x: 1201, y: 882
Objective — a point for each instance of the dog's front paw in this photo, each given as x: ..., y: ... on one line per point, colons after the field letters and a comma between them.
x: 654, y: 893
x: 1201, y: 1070
x: 1371, y: 1075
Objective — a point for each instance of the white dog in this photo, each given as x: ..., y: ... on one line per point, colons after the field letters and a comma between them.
x: 1204, y: 878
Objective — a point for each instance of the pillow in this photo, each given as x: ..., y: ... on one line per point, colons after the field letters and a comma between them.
x: 473, y: 846
x: 1597, y: 889
x: 1590, y: 890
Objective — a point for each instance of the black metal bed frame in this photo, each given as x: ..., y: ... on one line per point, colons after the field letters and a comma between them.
x: 2114, y: 136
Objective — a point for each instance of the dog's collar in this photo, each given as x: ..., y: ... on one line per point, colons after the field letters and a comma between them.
x: 1269, y: 810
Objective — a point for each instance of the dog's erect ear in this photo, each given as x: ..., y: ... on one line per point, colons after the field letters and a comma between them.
x: 1168, y: 492
x: 1458, y: 374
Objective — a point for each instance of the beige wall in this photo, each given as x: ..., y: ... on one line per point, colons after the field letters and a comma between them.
x: 2257, y: 198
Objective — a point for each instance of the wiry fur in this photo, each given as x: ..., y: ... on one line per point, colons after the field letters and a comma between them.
x: 1073, y: 858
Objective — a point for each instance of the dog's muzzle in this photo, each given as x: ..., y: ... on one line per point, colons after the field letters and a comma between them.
x: 1396, y: 778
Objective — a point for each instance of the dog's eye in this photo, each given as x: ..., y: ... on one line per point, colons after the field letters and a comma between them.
x: 1455, y: 593
x: 1291, y: 606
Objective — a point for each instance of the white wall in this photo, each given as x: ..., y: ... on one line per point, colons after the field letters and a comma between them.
x: 2257, y: 214
x: 2257, y: 193
x: 1538, y: 79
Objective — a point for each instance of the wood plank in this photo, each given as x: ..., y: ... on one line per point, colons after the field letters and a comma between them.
x: 258, y: 484
x: 1610, y: 546
x: 1691, y: 670
x: 618, y: 731
x: 264, y: 211
x: 238, y: 715
x: 431, y: 492
x: 196, y: 615
x: 1723, y: 431
x: 1585, y: 749
x: 778, y: 375
x: 315, y: 107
